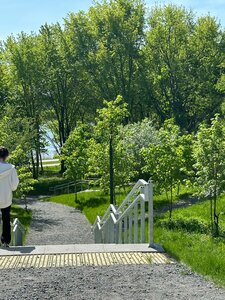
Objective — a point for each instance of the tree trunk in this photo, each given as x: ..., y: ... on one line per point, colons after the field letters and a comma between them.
x: 33, y: 165
x: 41, y: 164
x: 112, y: 199
x: 215, y: 216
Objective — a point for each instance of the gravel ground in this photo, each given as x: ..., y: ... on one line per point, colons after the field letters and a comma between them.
x: 54, y: 224
x: 153, y: 282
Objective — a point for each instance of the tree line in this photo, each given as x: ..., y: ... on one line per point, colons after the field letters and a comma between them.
x: 165, y: 63
x: 170, y: 157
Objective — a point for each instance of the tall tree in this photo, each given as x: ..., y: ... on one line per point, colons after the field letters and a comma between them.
x: 209, y: 153
x: 103, y: 154
x: 167, y: 160
x: 22, y: 56
x: 109, y: 39
x: 59, y: 81
x: 183, y: 58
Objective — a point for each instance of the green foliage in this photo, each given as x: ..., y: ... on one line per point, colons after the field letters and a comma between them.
x: 108, y: 41
x: 189, y: 225
x: 133, y: 138
x: 209, y: 153
x: 107, y: 127
x: 26, y: 185
x: 183, y: 55
x: 167, y: 160
x: 109, y: 118
x: 76, y: 152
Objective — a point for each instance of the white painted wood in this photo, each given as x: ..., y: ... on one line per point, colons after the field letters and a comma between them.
x: 120, y: 239
x: 142, y: 221
x: 136, y: 223
x: 150, y: 213
x: 121, y: 224
x: 131, y: 227
x: 125, y: 230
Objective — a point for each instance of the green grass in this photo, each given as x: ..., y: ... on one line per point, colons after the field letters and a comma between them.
x: 188, y: 239
x: 201, y: 212
x: 91, y: 203
x: 55, y: 169
x: 161, y: 201
x: 205, y: 255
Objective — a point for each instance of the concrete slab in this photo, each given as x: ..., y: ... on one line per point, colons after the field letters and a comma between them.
x: 78, y: 248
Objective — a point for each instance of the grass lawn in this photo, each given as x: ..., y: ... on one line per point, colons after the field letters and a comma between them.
x: 91, y: 203
x: 202, y: 253
x: 190, y: 241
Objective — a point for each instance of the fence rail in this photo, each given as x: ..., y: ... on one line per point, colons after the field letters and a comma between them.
x: 72, y: 187
x: 127, y: 223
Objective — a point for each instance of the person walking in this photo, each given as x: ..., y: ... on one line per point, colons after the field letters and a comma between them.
x: 8, y: 183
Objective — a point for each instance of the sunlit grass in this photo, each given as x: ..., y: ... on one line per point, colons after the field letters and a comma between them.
x: 201, y: 252
x: 91, y: 203
x: 194, y: 244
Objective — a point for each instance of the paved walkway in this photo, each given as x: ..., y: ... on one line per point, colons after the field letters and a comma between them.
x: 54, y: 224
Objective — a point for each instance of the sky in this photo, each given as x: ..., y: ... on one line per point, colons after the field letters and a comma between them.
x: 29, y: 15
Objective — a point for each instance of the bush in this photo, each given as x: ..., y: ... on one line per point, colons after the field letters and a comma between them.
x: 189, y: 225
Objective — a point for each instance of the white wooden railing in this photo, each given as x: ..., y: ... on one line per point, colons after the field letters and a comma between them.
x: 128, y: 222
x: 18, y: 233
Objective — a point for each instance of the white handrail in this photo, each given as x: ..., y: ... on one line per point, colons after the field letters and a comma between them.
x: 138, y: 184
x: 119, y: 223
x: 137, y: 199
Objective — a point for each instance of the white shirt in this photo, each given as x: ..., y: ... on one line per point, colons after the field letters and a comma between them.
x: 8, y: 183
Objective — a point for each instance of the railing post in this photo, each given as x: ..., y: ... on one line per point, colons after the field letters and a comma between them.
x: 149, y: 195
x: 142, y: 190
x: 136, y: 224
x: 98, y: 234
x: 18, y: 232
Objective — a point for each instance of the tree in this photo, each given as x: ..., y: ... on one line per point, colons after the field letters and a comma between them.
x: 182, y: 58
x: 165, y: 161
x: 24, y: 72
x: 15, y: 136
x: 59, y: 83
x: 19, y: 159
x: 108, y: 41
x: 105, y: 140
x: 75, y: 152
x: 209, y: 153
x: 135, y: 137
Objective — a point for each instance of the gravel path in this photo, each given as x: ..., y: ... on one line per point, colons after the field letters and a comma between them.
x: 54, y: 224
x: 153, y: 282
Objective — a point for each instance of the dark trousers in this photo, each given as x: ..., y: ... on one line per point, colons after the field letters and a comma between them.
x: 6, y: 227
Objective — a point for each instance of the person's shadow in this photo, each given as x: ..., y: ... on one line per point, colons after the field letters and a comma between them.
x: 22, y: 250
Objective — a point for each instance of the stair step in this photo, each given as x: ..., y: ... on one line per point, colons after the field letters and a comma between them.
x: 78, y: 248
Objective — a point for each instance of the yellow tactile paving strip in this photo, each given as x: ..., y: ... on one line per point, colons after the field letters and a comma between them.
x: 81, y: 259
